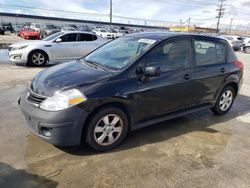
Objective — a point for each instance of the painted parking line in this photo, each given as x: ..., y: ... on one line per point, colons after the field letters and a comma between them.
x: 245, y: 118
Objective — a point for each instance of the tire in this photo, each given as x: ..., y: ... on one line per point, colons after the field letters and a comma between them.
x: 37, y: 58
x: 224, y: 101
x: 247, y: 50
x: 97, y: 129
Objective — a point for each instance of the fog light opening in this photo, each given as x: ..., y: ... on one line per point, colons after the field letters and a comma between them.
x: 46, y: 131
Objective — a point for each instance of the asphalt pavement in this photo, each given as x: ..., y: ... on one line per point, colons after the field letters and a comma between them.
x: 197, y: 150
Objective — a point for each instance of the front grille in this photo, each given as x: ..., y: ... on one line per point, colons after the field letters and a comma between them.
x: 35, y: 99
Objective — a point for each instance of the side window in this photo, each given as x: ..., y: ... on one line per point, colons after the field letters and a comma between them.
x: 69, y: 37
x: 170, y: 56
x: 86, y: 37
x: 209, y: 53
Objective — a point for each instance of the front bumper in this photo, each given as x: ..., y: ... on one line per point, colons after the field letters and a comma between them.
x: 18, y: 56
x: 62, y: 128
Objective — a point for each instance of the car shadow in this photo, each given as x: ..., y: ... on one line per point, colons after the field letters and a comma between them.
x: 15, y: 178
x: 199, y: 121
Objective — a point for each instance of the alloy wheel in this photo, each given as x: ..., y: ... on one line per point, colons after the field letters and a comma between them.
x: 226, y: 100
x: 108, y: 129
x: 38, y: 58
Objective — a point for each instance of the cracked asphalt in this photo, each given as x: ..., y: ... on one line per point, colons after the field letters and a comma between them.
x: 197, y: 150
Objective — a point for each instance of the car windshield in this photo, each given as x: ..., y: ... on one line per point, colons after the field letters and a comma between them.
x: 119, y: 53
x: 52, y: 37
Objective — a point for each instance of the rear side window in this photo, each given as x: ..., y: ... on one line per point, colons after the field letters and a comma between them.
x: 69, y: 37
x: 171, y: 55
x: 209, y: 53
x: 86, y: 37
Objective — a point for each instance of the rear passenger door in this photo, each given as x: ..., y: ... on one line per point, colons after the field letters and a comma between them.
x: 211, y: 68
x: 86, y: 43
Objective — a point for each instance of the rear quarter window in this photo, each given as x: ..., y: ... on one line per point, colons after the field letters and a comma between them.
x: 209, y: 53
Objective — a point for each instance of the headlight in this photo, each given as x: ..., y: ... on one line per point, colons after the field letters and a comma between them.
x: 18, y: 48
x: 63, y: 100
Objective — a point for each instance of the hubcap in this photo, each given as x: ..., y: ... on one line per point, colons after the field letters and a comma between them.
x: 108, y: 129
x: 38, y: 58
x: 226, y: 100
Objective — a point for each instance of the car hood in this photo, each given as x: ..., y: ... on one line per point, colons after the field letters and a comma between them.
x: 34, y: 42
x: 66, y: 76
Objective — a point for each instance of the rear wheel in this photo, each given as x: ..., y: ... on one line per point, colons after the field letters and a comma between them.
x: 107, y: 129
x: 37, y: 59
x: 224, y: 101
x: 247, y: 50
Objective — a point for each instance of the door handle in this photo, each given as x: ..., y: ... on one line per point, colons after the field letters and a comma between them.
x: 187, y: 76
x: 222, y: 70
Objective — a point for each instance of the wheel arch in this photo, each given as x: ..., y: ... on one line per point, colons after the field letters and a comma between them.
x: 39, y: 50
x: 122, y: 106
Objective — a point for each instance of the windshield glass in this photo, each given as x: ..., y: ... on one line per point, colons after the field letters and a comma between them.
x: 52, y: 37
x: 119, y: 53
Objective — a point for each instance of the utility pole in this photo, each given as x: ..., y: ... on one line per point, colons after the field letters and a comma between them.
x: 189, y: 23
x: 110, y: 14
x: 180, y: 22
x: 231, y: 22
x: 220, y: 11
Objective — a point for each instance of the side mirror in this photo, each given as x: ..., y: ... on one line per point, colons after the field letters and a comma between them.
x: 58, y: 40
x: 152, y: 71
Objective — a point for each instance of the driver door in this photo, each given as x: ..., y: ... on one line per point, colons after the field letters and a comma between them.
x: 66, y: 49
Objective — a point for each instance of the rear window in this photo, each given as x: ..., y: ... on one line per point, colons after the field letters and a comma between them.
x: 209, y: 53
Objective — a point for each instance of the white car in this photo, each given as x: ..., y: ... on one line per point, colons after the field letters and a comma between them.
x: 246, y: 48
x: 102, y: 32
x: 116, y: 33
x: 233, y: 41
x: 59, y: 47
x: 35, y: 26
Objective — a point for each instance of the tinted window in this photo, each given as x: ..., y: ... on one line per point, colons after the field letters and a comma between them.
x: 69, y: 37
x: 208, y: 53
x: 170, y: 56
x: 86, y: 37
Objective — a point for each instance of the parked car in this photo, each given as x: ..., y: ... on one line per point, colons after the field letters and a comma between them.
x: 68, y: 29
x: 129, y: 83
x: 7, y: 27
x: 59, y: 47
x: 29, y: 34
x: 48, y: 30
x: 116, y: 33
x: 233, y: 41
x: 244, y: 39
x: 102, y: 32
x: 84, y: 28
x: 36, y: 27
x: 17, y: 28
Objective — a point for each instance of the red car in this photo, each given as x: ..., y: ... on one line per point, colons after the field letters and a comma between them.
x: 27, y: 33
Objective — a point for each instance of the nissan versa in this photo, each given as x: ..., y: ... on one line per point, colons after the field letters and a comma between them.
x: 129, y: 83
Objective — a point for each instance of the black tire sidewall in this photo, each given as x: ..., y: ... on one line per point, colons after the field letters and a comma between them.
x: 30, y: 63
x: 216, y: 109
x: 94, y: 120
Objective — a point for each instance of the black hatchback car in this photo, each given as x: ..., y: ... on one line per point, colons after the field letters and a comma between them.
x: 129, y: 83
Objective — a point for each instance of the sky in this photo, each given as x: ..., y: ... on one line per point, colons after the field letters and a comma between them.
x: 201, y: 12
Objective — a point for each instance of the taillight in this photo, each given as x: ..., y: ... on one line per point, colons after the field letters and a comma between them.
x: 239, y: 65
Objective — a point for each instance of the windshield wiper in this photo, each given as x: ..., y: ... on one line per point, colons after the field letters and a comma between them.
x: 93, y: 63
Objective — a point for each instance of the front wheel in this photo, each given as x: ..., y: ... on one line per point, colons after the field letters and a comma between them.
x: 107, y: 129
x: 225, y: 101
x: 37, y: 59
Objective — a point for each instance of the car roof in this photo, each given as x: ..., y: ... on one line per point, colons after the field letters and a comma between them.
x: 83, y: 32
x: 164, y: 35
